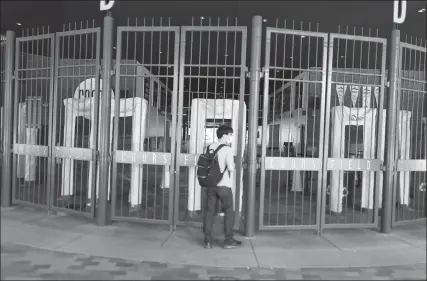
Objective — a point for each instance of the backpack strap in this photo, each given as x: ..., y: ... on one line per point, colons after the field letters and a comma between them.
x: 218, y: 148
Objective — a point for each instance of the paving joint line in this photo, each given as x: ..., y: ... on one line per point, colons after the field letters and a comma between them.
x: 171, y: 234
x: 255, y: 255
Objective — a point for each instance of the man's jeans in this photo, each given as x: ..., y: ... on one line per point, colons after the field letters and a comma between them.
x: 225, y: 195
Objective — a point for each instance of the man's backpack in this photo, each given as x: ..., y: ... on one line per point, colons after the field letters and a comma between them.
x: 208, y: 170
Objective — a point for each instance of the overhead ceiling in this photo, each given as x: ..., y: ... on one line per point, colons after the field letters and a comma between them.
x: 328, y: 14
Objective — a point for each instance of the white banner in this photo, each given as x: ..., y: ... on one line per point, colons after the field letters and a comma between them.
x: 377, y: 94
x: 354, y: 94
x: 341, y: 92
x: 366, y: 96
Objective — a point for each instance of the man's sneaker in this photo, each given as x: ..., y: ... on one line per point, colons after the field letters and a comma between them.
x: 232, y: 244
x: 208, y: 245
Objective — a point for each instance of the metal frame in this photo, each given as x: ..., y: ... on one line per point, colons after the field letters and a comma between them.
x: 23, y: 149
x: 290, y: 163
x: 134, y: 157
x: 377, y: 163
x: 62, y: 152
x: 408, y: 165
x: 181, y: 157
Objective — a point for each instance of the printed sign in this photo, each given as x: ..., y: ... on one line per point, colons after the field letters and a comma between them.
x: 366, y: 96
x: 341, y: 92
x: 292, y: 164
x: 376, y: 93
x: 354, y: 94
x: 344, y: 164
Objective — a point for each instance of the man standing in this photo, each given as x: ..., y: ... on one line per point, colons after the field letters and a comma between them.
x: 222, y: 190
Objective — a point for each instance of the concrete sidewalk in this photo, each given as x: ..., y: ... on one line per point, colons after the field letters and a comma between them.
x: 154, y: 243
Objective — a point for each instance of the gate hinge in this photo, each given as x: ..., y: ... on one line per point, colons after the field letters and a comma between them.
x: 247, y: 72
x: 263, y: 72
x: 387, y: 84
x: 95, y: 155
x: 244, y: 163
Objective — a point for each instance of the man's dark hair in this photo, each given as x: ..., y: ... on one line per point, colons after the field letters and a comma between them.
x: 223, y: 130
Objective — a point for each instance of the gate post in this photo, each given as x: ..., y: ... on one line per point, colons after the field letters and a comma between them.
x: 390, y: 134
x: 255, y: 69
x: 6, y: 184
x: 104, y: 125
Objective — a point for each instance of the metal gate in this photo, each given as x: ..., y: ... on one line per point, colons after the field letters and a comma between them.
x: 32, y: 108
x: 354, y: 134
x: 144, y: 114
x: 322, y: 134
x: 56, y: 93
x: 409, y: 195
x: 211, y: 93
x: 75, y: 110
x: 292, y: 131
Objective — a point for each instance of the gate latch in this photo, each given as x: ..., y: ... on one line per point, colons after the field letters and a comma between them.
x: 383, y: 167
x: 247, y: 72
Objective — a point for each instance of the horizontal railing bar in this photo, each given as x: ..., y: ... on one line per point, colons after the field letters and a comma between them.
x: 357, y: 38
x: 35, y: 37
x: 290, y: 227
x: 413, y: 47
x: 211, y: 76
x: 214, y: 28
x: 350, y: 225
x: 134, y: 219
x: 296, y: 32
x: 78, y: 32
x: 147, y: 28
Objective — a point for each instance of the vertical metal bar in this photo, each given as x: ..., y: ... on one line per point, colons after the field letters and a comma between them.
x: 104, y: 126
x: 174, y: 188
x: 95, y: 123
x: 255, y: 71
x: 177, y: 141
x: 264, y: 127
x: 379, y: 142
x: 389, y: 159
x: 51, y: 160
x: 7, y: 117
x: 242, y: 130
x: 325, y: 147
x: 15, y: 139
x: 116, y: 123
x: 53, y: 111
x: 324, y: 129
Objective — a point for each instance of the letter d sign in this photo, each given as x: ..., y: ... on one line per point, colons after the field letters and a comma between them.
x: 106, y: 5
x: 396, y: 17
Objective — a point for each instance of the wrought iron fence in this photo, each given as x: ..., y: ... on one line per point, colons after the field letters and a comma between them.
x: 320, y: 137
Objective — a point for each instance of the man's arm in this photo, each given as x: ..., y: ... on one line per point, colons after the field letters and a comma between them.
x: 229, y: 160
